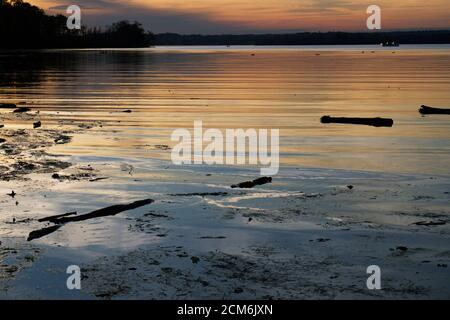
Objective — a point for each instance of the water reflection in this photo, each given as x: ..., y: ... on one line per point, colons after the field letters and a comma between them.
x: 288, y: 89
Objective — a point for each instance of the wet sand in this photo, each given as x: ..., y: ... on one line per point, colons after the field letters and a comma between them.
x: 305, y: 235
x: 311, y: 233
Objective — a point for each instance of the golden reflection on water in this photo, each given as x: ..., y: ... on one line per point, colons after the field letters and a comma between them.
x: 247, y: 88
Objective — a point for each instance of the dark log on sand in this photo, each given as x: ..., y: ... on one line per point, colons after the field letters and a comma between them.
x: 109, y: 211
x: 65, y: 218
x: 42, y: 232
x: 22, y: 110
x: 56, y: 217
x: 62, y: 139
x: 374, y: 122
x: 430, y: 223
x: 431, y: 110
x: 200, y: 194
x: 251, y: 184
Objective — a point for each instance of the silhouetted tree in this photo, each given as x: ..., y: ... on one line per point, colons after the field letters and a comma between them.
x: 23, y: 25
x: 125, y: 34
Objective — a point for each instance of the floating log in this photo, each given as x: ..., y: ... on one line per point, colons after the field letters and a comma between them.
x: 7, y: 106
x: 375, y: 122
x: 431, y: 110
x: 251, y: 184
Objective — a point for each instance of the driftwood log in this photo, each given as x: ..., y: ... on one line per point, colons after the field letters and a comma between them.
x: 55, y: 218
x: 42, y: 232
x: 375, y: 122
x: 22, y: 110
x: 7, y: 106
x: 254, y: 183
x: 431, y: 110
x: 109, y: 211
x: 60, y: 220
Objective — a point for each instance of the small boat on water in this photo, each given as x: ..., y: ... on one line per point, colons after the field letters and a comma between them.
x: 431, y: 110
x: 390, y: 44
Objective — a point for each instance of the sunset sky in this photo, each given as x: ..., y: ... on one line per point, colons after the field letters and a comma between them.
x: 241, y: 16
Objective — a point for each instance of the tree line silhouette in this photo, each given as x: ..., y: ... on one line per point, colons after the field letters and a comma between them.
x: 25, y: 26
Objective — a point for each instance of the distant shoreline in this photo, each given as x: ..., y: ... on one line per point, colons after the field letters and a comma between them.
x: 336, y: 47
x: 307, y: 38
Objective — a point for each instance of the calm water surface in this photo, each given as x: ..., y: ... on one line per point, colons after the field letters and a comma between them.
x: 288, y: 88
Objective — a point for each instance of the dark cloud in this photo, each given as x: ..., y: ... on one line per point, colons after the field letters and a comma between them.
x: 167, y: 21
x: 87, y: 4
x: 105, y: 12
